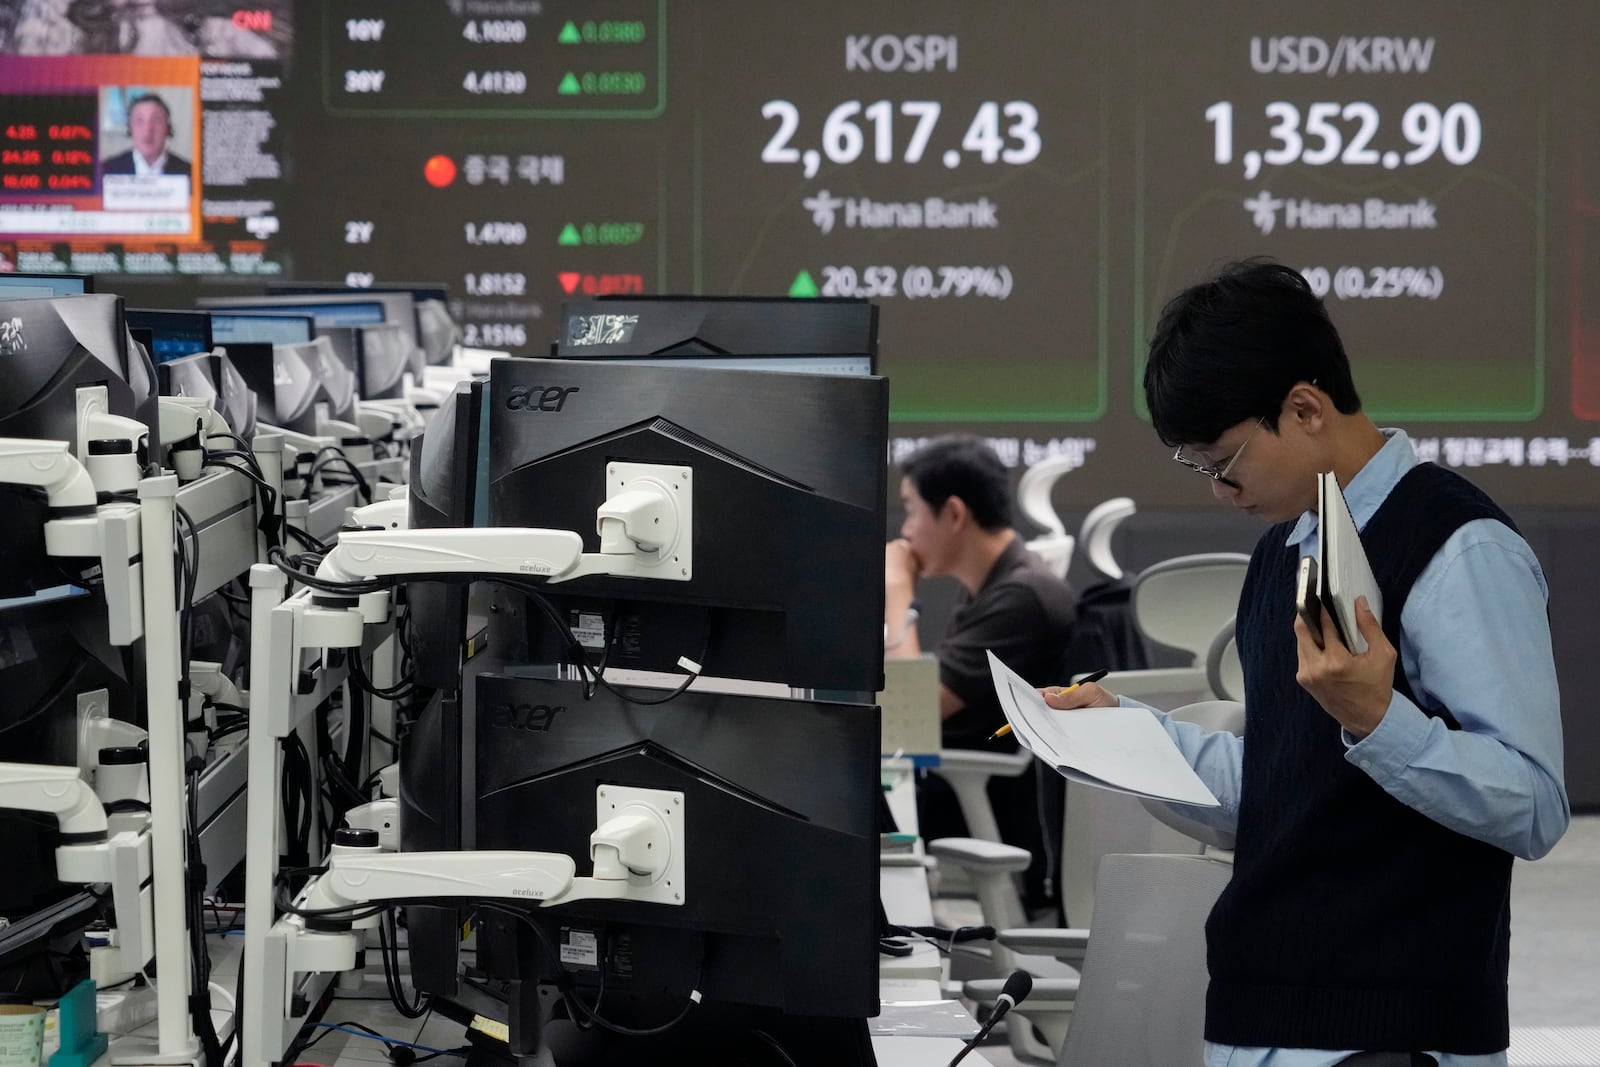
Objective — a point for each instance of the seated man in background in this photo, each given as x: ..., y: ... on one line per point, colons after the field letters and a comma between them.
x: 957, y: 499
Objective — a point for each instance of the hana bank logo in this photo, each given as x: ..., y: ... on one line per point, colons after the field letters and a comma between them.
x: 1264, y: 208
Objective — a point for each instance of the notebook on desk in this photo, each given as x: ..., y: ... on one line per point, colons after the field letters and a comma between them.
x: 910, y: 705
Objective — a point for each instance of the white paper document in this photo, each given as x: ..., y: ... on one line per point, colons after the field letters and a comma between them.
x: 1122, y: 749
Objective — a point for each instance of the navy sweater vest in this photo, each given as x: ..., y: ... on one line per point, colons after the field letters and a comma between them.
x: 1352, y: 921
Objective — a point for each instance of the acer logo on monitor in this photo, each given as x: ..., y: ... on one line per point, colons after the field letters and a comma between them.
x: 539, y: 397
x: 535, y: 718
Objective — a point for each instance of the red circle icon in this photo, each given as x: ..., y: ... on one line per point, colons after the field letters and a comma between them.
x: 440, y: 171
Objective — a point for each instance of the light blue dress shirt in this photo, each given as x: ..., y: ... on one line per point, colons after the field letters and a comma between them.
x: 1474, y: 638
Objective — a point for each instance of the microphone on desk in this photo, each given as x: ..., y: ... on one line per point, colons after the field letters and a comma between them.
x: 1014, y: 992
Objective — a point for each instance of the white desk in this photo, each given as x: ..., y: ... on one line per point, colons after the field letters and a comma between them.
x: 922, y: 1052
x: 899, y: 778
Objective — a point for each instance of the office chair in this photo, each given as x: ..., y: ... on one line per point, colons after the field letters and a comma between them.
x: 1180, y: 604
x: 1094, y: 536
x: 1224, y: 672
x: 1141, y: 998
x: 1033, y: 497
x: 1097, y: 823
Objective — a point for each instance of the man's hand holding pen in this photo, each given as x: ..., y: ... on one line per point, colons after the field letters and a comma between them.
x: 1083, y: 693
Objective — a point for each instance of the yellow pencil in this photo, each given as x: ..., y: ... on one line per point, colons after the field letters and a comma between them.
x: 1094, y: 676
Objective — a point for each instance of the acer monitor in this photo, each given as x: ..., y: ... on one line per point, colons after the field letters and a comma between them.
x: 49, y: 347
x: 778, y: 928
x: 788, y: 520
x: 443, y: 493
x: 815, y: 336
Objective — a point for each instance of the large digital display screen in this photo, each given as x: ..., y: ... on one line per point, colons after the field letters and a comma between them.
x: 1019, y: 186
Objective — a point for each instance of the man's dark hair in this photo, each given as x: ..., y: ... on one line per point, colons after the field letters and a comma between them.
x: 963, y: 467
x: 1230, y: 349
x: 150, y: 98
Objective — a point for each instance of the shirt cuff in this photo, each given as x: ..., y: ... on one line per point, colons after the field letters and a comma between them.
x: 1386, y: 752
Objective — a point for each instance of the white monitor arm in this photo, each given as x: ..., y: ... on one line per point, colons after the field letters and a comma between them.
x: 645, y: 528
x: 638, y: 850
x: 71, y: 529
x: 88, y: 855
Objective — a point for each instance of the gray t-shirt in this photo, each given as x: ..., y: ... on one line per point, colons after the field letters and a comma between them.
x: 1024, y: 614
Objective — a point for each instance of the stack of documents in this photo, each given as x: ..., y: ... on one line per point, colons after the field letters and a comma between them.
x: 1122, y: 749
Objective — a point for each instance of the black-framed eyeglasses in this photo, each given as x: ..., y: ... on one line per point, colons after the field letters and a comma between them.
x: 1219, y: 474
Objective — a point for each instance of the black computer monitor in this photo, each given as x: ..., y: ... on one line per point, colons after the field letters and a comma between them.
x: 779, y: 925
x: 436, y: 330
x: 236, y: 401
x: 443, y: 493
x: 273, y: 328
x: 15, y: 285
x: 285, y: 384
x: 48, y: 349
x: 817, y: 336
x: 193, y: 376
x: 359, y: 307
x: 175, y: 334
x: 380, y: 352
x: 790, y: 497
x: 54, y: 650
x: 340, y: 374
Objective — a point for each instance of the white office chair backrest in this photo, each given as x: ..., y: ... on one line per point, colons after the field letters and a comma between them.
x: 1098, y: 822
x: 1141, y: 1002
x: 1094, y: 536
x: 1223, y: 669
x: 1213, y: 715
x: 1055, y: 550
x: 1033, y: 492
x: 1182, y: 602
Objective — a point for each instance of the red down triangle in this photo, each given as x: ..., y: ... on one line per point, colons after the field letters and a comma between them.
x: 569, y: 280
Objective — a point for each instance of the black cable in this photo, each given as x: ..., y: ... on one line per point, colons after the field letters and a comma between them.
x: 200, y: 957
x: 358, y: 674
x: 580, y: 655
x: 320, y: 462
x: 389, y: 951
x: 245, y: 448
x: 290, y: 565
x: 269, y: 494
x: 313, y: 543
x: 586, y: 1012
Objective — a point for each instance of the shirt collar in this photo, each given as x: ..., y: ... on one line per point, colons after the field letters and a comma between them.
x: 1009, y: 557
x: 140, y: 166
x: 1369, y: 488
